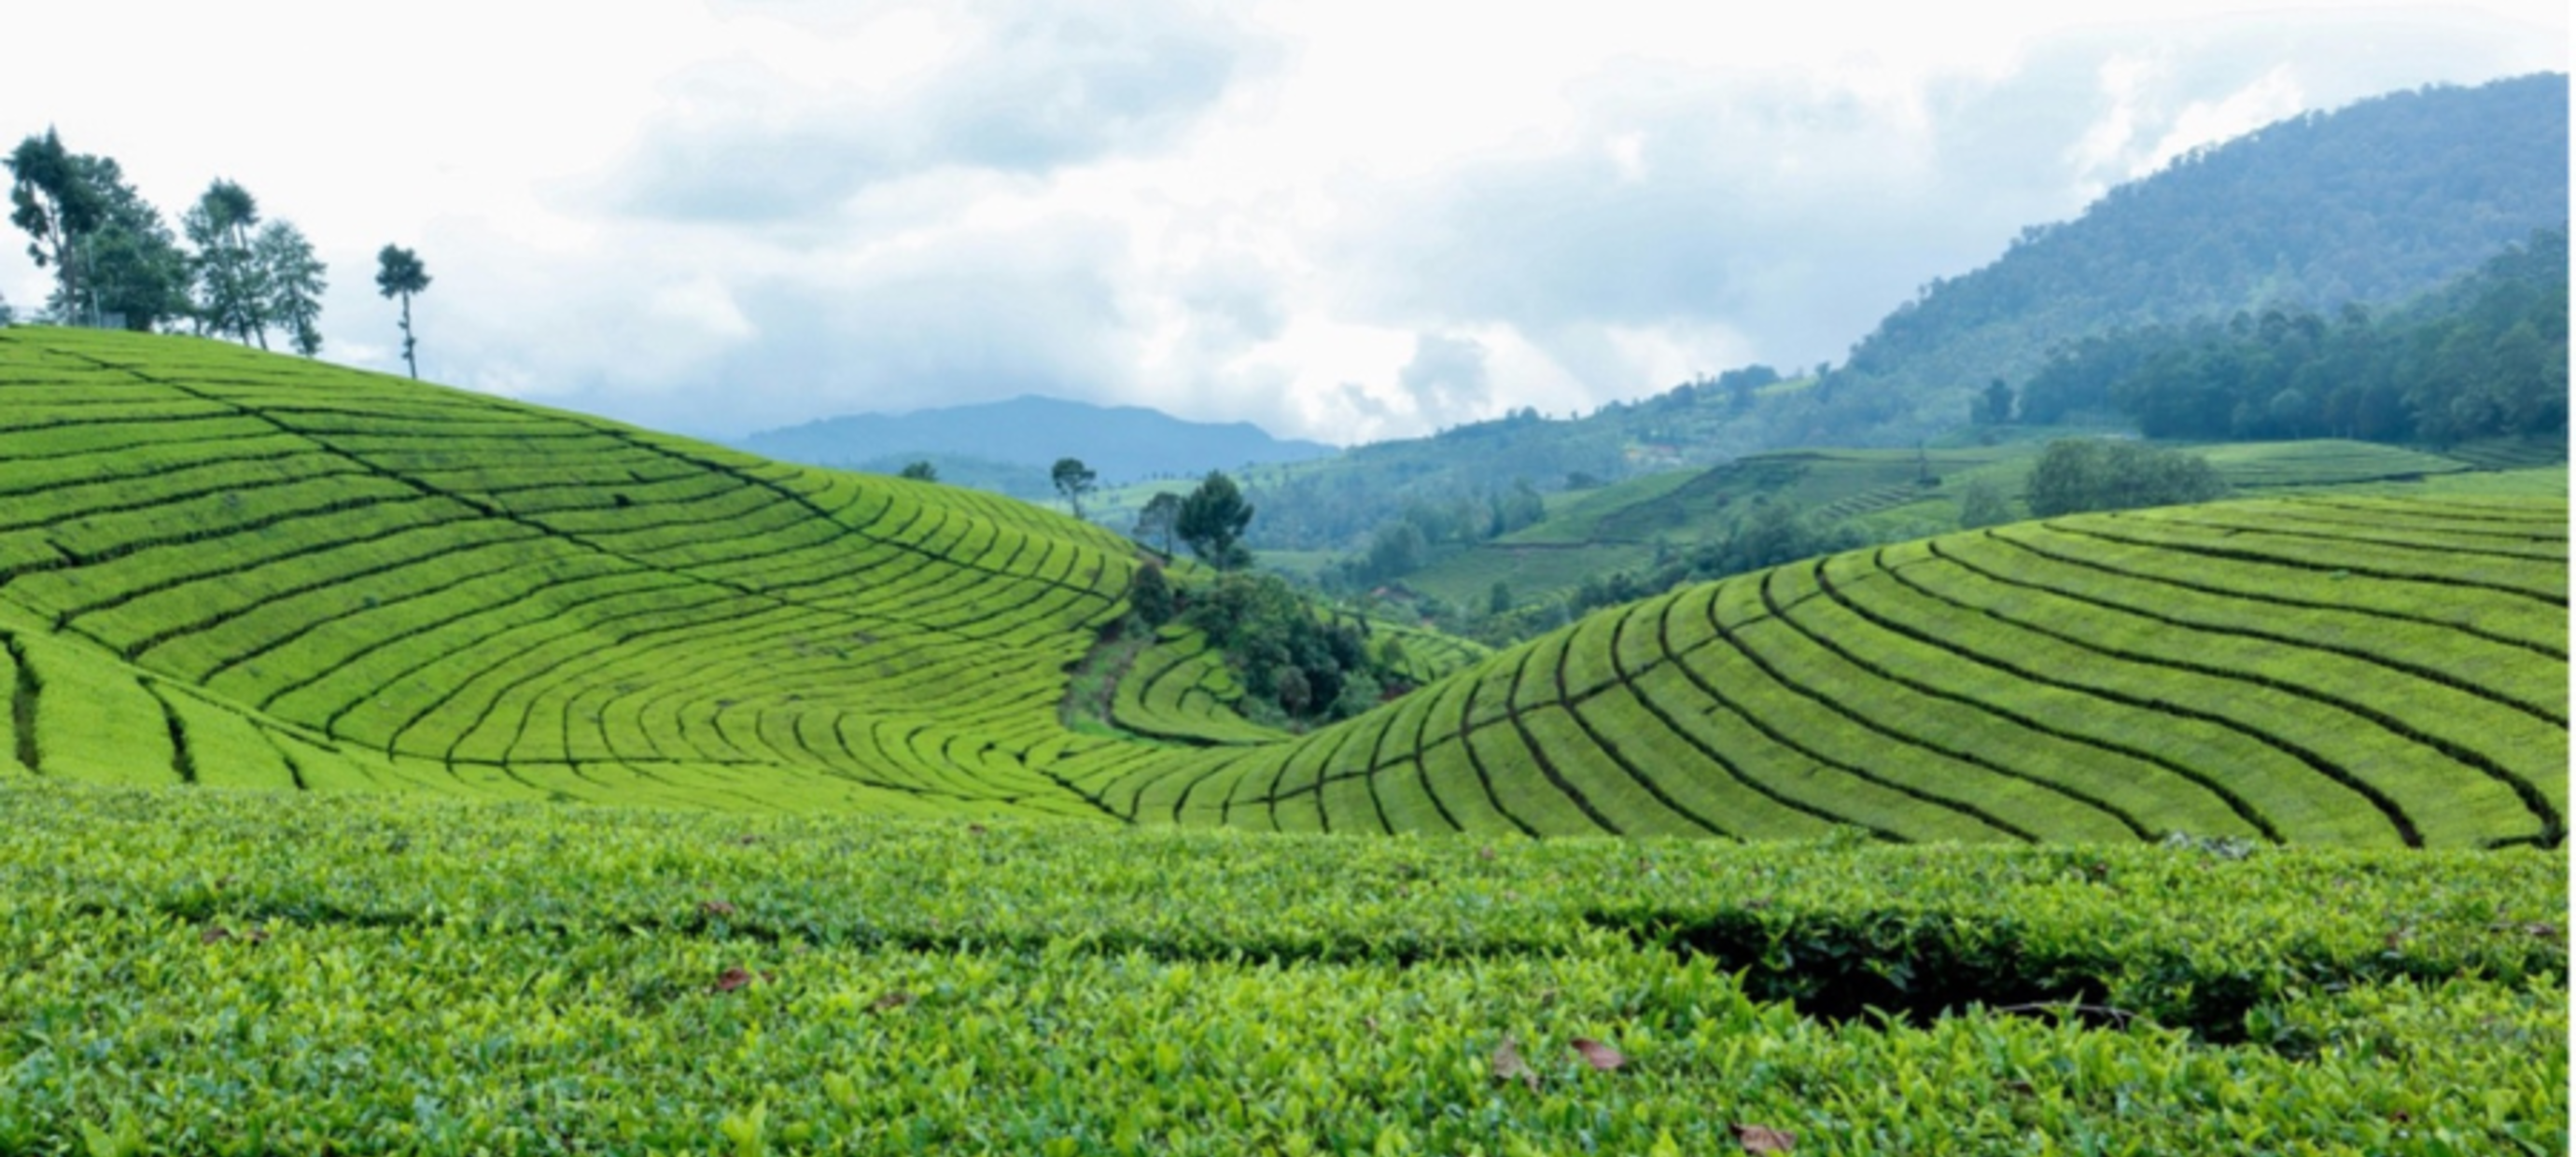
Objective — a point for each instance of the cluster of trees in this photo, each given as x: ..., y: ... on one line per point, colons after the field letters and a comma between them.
x: 2080, y: 474
x: 2485, y: 355
x: 1210, y: 520
x: 1425, y: 530
x: 116, y: 261
x: 1296, y: 664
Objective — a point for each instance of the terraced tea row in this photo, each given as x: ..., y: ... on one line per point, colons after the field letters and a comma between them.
x: 227, y: 568
x: 2338, y: 670
x: 224, y: 568
x: 1181, y: 689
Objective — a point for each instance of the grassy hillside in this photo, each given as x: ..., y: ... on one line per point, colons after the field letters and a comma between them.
x: 2369, y: 671
x: 1885, y: 495
x: 224, y: 568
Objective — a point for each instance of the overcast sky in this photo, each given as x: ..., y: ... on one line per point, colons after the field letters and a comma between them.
x: 1341, y: 220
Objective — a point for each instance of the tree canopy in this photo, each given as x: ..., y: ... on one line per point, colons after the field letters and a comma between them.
x: 49, y: 199
x: 2080, y: 474
x: 1073, y: 480
x: 1212, y: 521
x: 2484, y: 355
x: 400, y: 274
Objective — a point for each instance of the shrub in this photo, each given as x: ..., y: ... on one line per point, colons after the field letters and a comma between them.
x: 2096, y: 474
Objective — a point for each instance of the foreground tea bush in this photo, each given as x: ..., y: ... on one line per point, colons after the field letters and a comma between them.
x: 213, y: 972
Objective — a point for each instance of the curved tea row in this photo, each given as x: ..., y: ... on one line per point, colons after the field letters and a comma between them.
x: 2369, y: 671
x: 226, y: 568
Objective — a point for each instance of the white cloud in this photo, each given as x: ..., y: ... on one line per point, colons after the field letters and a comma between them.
x: 722, y: 215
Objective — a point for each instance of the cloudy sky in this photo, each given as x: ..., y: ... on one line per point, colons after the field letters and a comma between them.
x: 1342, y: 220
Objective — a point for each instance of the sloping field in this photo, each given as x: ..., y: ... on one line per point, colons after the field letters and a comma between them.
x: 2364, y: 671
x: 231, y: 569
x: 2322, y: 462
x: 222, y: 567
x: 1181, y: 689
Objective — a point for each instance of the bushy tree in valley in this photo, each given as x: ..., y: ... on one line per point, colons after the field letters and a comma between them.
x: 1982, y: 503
x: 2080, y: 474
x: 1212, y: 520
x: 1288, y: 655
x: 1150, y: 595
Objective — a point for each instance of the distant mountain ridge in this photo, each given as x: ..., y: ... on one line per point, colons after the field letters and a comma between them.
x: 1121, y: 443
x: 2374, y: 202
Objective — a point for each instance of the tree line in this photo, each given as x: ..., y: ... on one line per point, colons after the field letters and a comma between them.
x: 2482, y: 357
x: 228, y: 272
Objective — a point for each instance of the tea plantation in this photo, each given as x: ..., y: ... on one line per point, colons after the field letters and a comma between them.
x: 2233, y: 828
x: 2359, y: 671
x: 225, y: 568
x: 231, y: 972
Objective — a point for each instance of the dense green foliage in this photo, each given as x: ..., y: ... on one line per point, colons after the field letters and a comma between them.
x: 1294, y: 661
x: 235, y: 972
x: 2485, y: 356
x: 2376, y: 202
x: 2079, y: 474
x: 117, y: 264
x: 1212, y: 519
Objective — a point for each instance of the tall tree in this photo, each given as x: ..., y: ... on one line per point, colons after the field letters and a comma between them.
x: 133, y: 265
x: 1073, y: 480
x: 293, y: 277
x: 1212, y: 520
x: 48, y: 199
x: 1160, y: 517
x: 232, y: 300
x: 399, y: 273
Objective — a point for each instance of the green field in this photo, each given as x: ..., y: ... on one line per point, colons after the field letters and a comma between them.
x: 2343, y: 670
x: 226, y: 568
x: 1887, y: 495
x: 310, y: 674
x: 236, y: 972
x: 223, y: 568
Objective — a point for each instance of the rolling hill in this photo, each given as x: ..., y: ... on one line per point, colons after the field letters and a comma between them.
x: 1885, y: 495
x: 2371, y: 671
x: 1010, y: 445
x: 225, y: 568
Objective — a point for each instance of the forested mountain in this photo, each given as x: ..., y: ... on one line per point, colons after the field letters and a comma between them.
x: 2375, y: 202
x: 2484, y: 356
x: 978, y: 443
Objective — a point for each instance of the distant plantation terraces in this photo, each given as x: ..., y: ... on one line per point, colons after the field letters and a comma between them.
x: 221, y: 568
